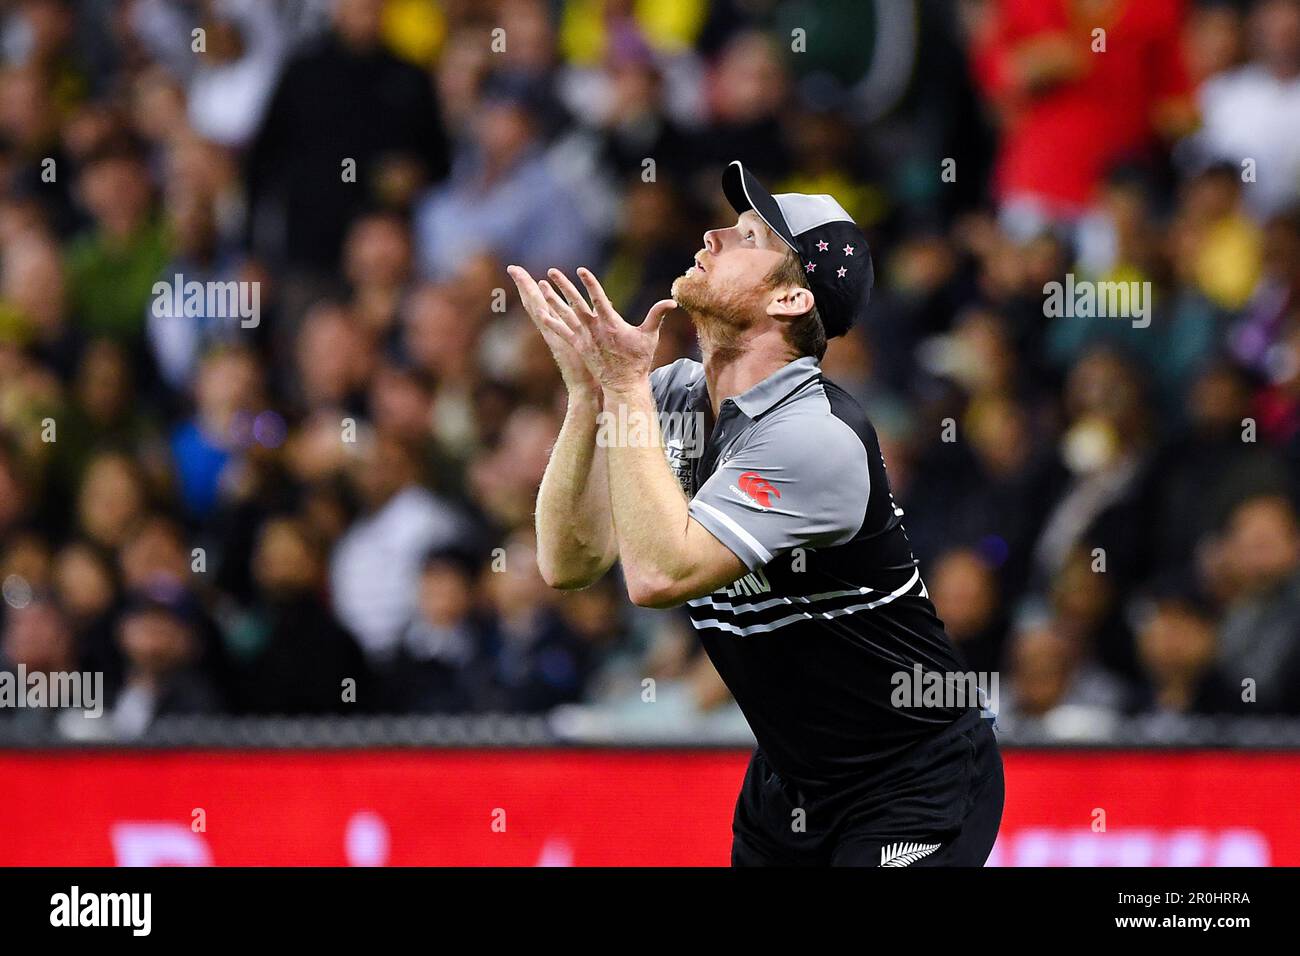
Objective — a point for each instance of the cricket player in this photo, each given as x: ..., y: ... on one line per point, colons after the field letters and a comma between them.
x: 772, y: 520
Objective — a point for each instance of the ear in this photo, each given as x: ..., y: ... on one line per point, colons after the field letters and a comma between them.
x: 790, y: 302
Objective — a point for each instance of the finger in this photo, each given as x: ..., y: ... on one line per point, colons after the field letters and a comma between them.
x: 528, y: 291
x: 573, y: 321
x: 571, y: 293
x: 599, y: 300
x: 658, y: 312
x: 520, y: 275
x: 580, y: 321
x: 553, y: 324
x: 559, y: 306
x: 535, y: 303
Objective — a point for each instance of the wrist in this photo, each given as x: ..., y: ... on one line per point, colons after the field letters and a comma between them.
x: 586, y: 398
x: 624, y: 390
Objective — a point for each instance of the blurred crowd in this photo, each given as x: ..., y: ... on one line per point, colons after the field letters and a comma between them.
x: 324, y: 504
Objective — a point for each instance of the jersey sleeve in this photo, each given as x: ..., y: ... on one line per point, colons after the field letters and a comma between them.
x: 667, y: 378
x: 794, y: 483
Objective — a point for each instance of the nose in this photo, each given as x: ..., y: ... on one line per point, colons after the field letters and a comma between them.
x: 713, y: 241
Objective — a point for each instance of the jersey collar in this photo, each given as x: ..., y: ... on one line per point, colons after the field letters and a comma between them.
x: 760, y: 398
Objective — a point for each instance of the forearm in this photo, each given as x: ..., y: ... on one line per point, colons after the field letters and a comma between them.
x: 649, y: 508
x: 667, y: 557
x: 575, y: 535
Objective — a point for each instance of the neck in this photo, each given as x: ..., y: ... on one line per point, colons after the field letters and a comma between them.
x: 735, y: 360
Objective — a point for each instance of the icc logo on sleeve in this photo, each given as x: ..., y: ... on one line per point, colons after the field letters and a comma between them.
x: 678, y: 461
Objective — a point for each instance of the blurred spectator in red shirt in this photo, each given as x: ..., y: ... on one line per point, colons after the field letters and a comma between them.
x: 1073, y: 101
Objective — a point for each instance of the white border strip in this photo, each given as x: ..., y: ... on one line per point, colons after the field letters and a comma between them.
x: 806, y: 615
x: 730, y: 524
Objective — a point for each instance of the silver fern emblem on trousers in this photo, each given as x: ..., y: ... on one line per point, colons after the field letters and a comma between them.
x: 903, y: 854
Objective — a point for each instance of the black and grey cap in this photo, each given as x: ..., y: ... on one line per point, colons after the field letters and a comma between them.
x: 833, y: 250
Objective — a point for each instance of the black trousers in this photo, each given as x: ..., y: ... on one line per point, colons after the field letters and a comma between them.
x: 939, y: 803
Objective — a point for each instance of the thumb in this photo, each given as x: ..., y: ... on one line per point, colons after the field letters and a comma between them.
x: 655, y: 317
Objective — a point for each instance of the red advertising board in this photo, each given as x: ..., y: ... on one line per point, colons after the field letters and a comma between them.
x: 592, y: 807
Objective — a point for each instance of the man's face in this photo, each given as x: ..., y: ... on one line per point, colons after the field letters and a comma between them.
x: 1277, y: 31
x: 383, y: 470
x: 1263, y: 543
x: 38, y: 637
x: 358, y: 21
x: 116, y: 189
x: 156, y: 642
x: 729, y: 278
x: 284, y: 562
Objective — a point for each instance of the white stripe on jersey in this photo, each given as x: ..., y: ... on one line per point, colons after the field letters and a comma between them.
x: 807, y: 615
x: 718, y: 605
x: 764, y: 555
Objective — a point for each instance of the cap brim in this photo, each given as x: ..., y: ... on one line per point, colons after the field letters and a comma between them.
x: 744, y: 192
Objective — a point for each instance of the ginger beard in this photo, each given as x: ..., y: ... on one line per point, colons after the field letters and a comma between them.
x: 719, y: 315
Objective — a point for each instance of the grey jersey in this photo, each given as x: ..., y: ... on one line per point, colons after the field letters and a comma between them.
x: 791, y: 479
